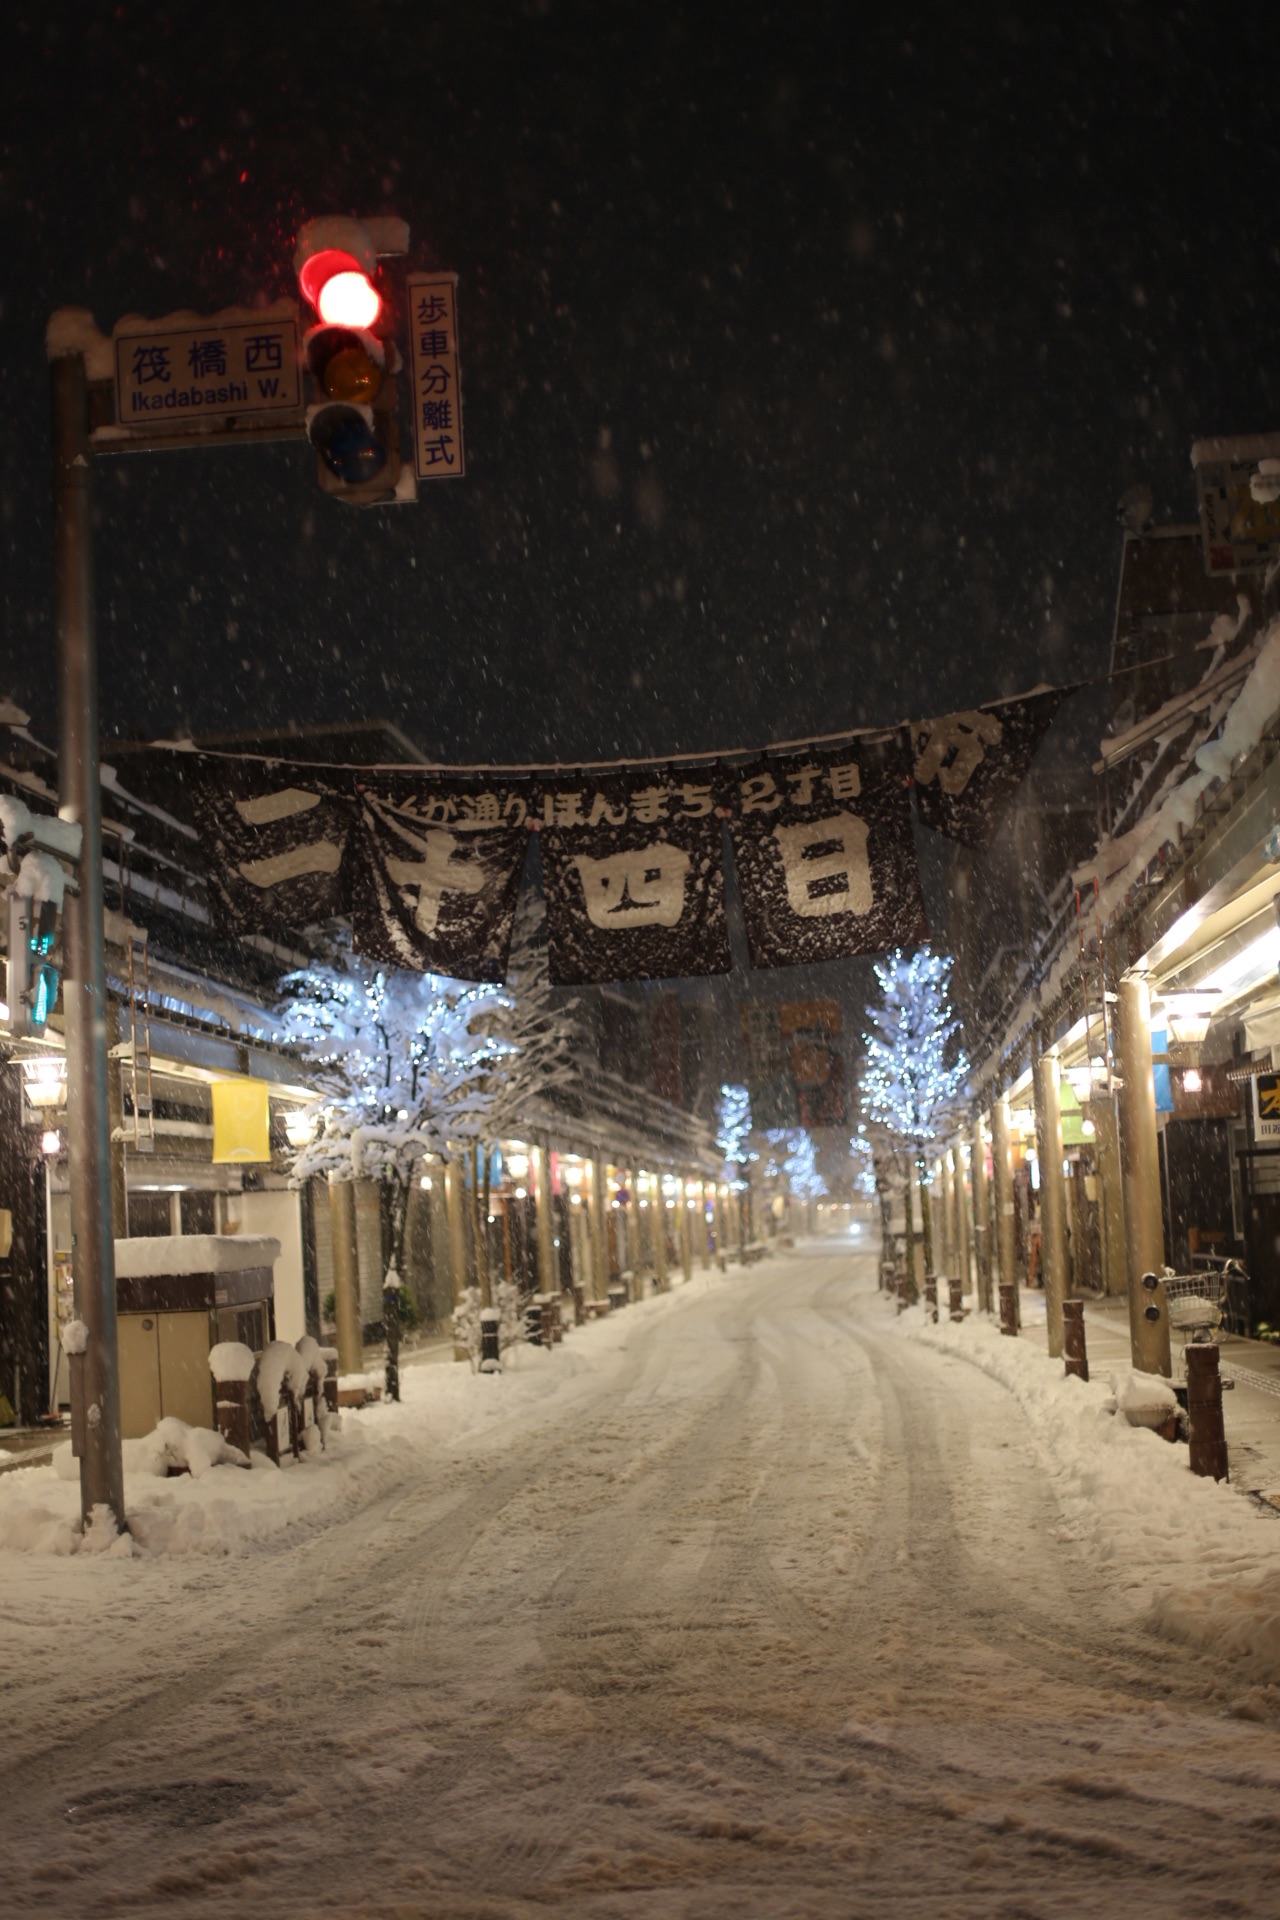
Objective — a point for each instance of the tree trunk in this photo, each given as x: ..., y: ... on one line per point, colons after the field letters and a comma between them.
x: 926, y: 1223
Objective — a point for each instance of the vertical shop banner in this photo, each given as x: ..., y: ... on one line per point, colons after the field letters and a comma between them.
x: 436, y: 872
x: 811, y: 1032
x: 634, y: 876
x: 825, y: 856
x: 273, y: 840
x: 774, y: 1105
x: 968, y: 766
x: 241, y: 1122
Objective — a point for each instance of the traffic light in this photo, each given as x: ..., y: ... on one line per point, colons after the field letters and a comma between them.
x: 33, y: 978
x: 352, y: 361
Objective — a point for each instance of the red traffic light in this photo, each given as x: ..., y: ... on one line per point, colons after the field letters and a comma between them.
x: 336, y: 260
x: 347, y: 299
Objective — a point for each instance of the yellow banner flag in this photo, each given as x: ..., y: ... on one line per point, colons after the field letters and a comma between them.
x: 241, y: 1121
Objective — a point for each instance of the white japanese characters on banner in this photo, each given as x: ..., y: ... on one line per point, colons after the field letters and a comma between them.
x: 435, y: 375
x: 427, y: 864
x: 823, y: 846
x: 634, y: 876
x: 273, y: 838
x: 968, y: 766
x: 435, y: 883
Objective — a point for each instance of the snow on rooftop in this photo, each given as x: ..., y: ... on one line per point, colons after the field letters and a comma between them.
x: 154, y: 1255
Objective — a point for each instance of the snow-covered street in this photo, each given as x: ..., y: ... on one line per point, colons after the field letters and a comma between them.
x: 743, y: 1602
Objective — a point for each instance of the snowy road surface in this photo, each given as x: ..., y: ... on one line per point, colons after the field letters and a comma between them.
x: 767, y: 1611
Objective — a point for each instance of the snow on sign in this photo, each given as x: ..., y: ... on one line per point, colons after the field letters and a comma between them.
x: 193, y: 371
x: 433, y: 365
x: 1238, y: 482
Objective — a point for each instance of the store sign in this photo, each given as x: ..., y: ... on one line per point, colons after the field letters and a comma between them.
x: 1239, y: 493
x: 202, y: 371
x: 1266, y: 1107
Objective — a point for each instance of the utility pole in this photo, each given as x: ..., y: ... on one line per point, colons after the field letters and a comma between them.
x: 84, y: 987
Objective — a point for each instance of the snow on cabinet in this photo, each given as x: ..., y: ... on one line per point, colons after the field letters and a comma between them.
x: 177, y: 1297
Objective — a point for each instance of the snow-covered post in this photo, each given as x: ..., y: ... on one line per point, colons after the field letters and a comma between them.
x: 346, y: 1274
x: 391, y: 1331
x: 231, y: 1363
x: 1140, y: 1164
x: 1053, y: 1195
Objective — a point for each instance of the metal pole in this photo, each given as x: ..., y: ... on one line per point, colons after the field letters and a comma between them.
x: 84, y: 990
x: 1140, y: 1169
x: 1053, y: 1197
x: 346, y: 1275
x: 1002, y: 1173
x: 548, y: 1277
x: 981, y: 1213
x: 962, y: 1217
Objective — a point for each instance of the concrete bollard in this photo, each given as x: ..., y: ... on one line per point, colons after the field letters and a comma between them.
x: 1204, y: 1412
x: 931, y: 1296
x: 1009, y: 1308
x: 1075, y: 1356
x: 955, y: 1299
x: 904, y: 1293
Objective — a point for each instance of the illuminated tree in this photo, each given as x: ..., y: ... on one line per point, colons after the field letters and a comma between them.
x: 913, y: 1068
x: 733, y: 1112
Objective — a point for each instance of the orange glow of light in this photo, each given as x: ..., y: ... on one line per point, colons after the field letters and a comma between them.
x: 348, y: 300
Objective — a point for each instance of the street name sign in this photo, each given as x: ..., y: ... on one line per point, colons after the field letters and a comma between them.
x: 434, y: 370
x: 195, y: 372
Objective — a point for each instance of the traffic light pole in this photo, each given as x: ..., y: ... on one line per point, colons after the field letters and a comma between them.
x: 84, y: 986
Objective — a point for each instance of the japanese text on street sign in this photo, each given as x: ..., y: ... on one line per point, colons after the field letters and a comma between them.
x: 207, y: 370
x: 433, y: 363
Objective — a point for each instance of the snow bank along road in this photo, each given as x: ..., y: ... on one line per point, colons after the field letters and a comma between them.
x: 753, y: 1607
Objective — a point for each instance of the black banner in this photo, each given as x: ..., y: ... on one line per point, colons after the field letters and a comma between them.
x: 274, y: 839
x: 634, y: 876
x: 825, y: 856
x: 968, y: 766
x: 437, y: 869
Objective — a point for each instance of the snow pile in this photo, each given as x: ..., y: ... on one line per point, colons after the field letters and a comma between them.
x: 1201, y: 1560
x: 151, y: 1256
x: 214, y: 1509
x: 314, y: 1357
x: 232, y: 1360
x: 281, y: 1364
x: 1121, y: 862
x: 1145, y: 1399
x: 75, y: 1338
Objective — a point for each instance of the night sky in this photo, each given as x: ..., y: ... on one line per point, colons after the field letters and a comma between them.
x: 806, y: 350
